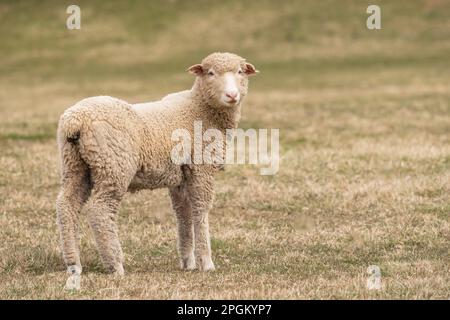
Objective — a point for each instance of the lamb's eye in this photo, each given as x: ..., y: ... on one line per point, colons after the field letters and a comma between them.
x: 240, y: 71
x: 210, y: 73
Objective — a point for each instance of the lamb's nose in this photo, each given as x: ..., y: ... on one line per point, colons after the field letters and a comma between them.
x: 232, y: 95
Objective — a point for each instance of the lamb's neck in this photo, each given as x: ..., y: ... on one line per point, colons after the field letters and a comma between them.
x: 225, y: 117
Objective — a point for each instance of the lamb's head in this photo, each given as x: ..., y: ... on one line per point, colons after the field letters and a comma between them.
x: 222, y: 78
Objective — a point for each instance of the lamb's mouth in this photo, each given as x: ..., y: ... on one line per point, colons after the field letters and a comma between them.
x: 231, y: 102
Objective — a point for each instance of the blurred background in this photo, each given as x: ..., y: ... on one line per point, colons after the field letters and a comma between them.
x: 364, y: 118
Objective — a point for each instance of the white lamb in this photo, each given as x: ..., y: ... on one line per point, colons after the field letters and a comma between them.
x: 109, y: 147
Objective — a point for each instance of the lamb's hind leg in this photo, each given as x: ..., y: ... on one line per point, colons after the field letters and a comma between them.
x: 102, y: 211
x: 74, y: 192
x: 113, y: 162
x: 181, y: 206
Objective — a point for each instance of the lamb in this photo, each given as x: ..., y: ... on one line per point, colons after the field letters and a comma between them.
x: 109, y: 147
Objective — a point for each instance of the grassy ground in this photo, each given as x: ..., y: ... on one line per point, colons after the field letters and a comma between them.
x: 364, y: 120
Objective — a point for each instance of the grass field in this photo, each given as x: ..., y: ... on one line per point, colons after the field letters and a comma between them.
x: 364, y: 119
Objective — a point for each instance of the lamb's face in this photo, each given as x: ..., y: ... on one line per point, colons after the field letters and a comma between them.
x: 223, y: 78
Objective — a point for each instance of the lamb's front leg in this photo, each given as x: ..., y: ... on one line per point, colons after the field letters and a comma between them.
x: 201, y: 195
x: 181, y: 206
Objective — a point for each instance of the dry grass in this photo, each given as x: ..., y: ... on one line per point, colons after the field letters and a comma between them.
x: 364, y: 120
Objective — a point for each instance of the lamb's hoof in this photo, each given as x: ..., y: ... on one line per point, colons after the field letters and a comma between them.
x: 188, y: 263
x: 73, y: 283
x: 119, y: 271
x: 205, y: 264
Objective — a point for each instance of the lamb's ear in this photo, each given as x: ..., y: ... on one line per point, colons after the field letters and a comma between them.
x: 196, y: 69
x: 250, y: 69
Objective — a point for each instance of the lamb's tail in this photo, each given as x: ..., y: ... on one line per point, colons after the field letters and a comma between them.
x: 70, y: 131
x: 70, y: 126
